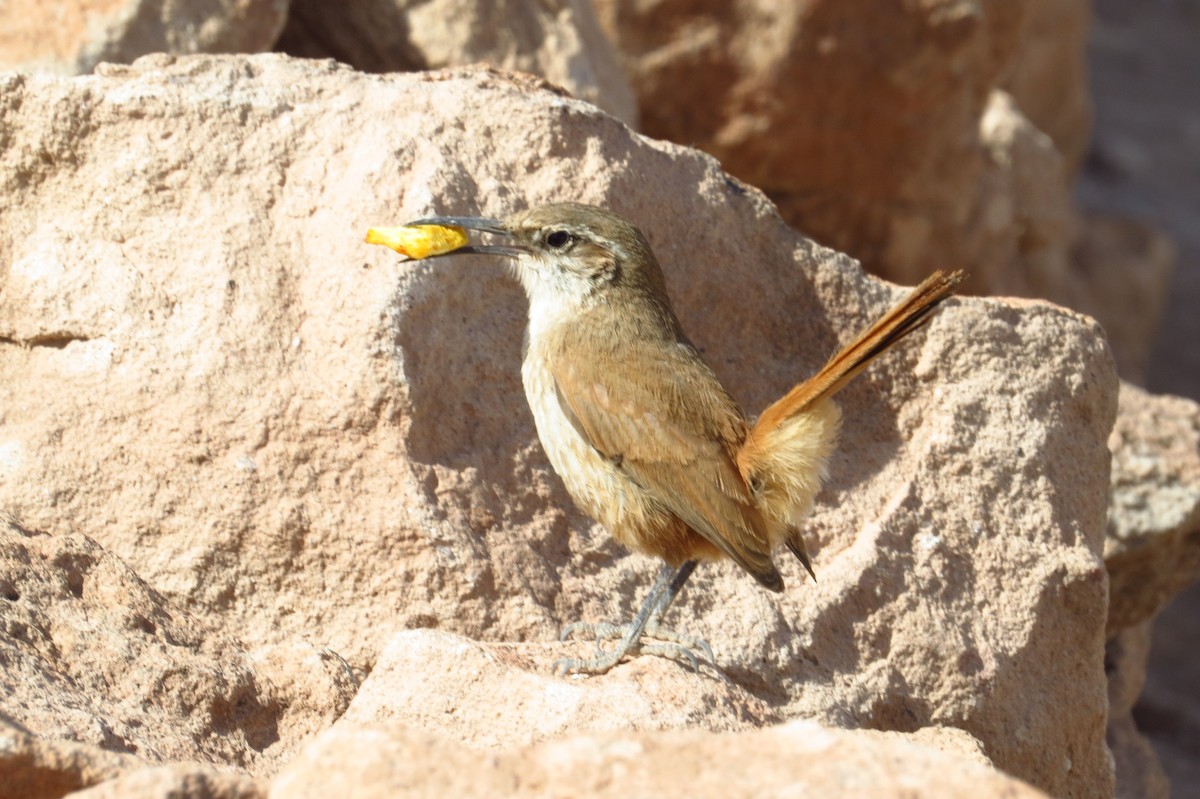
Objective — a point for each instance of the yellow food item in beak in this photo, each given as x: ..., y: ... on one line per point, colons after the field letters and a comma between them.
x: 420, y: 241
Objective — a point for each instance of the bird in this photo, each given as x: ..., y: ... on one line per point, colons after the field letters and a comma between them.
x: 636, y: 424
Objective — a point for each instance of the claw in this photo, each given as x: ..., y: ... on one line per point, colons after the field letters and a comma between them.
x: 683, y: 641
x: 596, y: 665
x: 673, y: 652
x: 644, y: 625
x: 566, y: 632
x: 652, y: 640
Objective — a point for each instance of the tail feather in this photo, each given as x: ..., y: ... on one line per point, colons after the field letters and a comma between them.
x: 784, y: 457
x: 796, y: 544
x: 897, y: 323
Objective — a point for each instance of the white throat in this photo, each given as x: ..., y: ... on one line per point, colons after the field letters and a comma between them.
x: 555, y: 297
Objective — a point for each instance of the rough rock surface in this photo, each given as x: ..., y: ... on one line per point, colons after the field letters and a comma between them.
x: 1139, y: 773
x: 876, y: 151
x: 92, y: 654
x: 1145, y: 161
x: 177, y: 782
x: 1152, y: 553
x: 560, y: 41
x: 1168, y: 710
x: 445, y: 684
x: 953, y: 144
x: 301, y: 437
x: 66, y: 37
x: 45, y: 768
x: 797, y: 759
x: 1121, y: 270
x: 1153, y: 546
x: 1048, y: 74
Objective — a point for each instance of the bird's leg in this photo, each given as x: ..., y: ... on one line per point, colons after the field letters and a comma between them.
x: 674, y: 640
x: 667, y: 586
x: 630, y: 633
x: 665, y: 593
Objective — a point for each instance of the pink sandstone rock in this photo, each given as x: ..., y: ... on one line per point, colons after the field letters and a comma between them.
x: 47, y: 768
x: 1152, y: 550
x: 297, y: 437
x: 1139, y: 773
x: 796, y: 759
x: 561, y: 41
x: 926, y: 135
x: 94, y: 655
x: 176, y: 781
x: 67, y: 37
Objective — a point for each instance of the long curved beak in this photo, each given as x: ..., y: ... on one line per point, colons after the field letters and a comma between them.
x: 483, y: 225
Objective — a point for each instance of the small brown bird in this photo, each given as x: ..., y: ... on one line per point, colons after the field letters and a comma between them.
x: 636, y: 424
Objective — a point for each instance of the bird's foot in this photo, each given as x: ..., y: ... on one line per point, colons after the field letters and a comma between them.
x: 654, y: 640
x: 605, y: 631
x: 597, y: 665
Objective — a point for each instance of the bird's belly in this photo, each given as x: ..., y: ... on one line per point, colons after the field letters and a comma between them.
x: 600, y: 488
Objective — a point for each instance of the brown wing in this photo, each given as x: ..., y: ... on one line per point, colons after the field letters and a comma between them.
x: 673, y: 429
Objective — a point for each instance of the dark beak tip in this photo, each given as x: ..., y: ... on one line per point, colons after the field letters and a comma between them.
x: 479, y: 223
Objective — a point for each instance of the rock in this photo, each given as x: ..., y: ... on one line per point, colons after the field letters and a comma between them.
x: 1144, y: 162
x: 72, y: 38
x: 446, y: 684
x: 1139, y: 773
x: 873, y: 150
x: 1122, y: 272
x: 174, y: 781
x: 1024, y: 220
x: 313, y: 685
x: 561, y: 41
x: 92, y: 654
x: 97, y: 656
x: 42, y: 768
x: 796, y: 759
x: 954, y: 144
x: 777, y: 93
x: 303, y: 438
x: 1111, y: 267
x: 1168, y: 708
x: 1152, y: 551
x: 1048, y: 75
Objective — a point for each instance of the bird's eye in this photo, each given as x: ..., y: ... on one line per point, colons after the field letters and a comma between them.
x: 558, y: 239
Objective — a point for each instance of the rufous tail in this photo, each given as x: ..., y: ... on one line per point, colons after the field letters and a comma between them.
x: 784, y: 458
x: 897, y: 323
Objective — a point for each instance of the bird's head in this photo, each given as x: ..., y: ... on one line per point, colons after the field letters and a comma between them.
x: 568, y: 253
